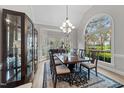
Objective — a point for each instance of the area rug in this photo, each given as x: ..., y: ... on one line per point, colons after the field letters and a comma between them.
x: 100, y: 81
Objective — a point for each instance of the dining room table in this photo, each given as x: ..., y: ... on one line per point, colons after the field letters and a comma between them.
x: 78, y: 77
x: 71, y: 60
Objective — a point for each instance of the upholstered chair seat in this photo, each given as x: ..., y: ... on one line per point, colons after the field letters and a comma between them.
x: 88, y: 65
x: 62, y: 69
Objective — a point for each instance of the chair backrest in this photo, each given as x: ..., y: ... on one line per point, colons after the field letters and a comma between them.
x: 53, y: 51
x: 82, y: 53
x: 93, y: 55
x: 50, y: 56
x: 61, y: 51
x: 74, y: 51
x: 57, y: 51
x: 53, y: 63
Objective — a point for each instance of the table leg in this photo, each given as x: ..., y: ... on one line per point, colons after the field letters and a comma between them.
x: 71, y: 67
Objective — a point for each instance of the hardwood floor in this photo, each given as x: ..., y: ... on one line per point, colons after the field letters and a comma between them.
x: 38, y: 80
x: 112, y: 75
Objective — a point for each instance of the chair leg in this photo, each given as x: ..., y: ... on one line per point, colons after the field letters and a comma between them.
x: 55, y: 82
x: 88, y: 74
x: 80, y: 68
x: 76, y: 66
x: 52, y: 76
x: 70, y: 79
x: 96, y: 71
x: 51, y: 70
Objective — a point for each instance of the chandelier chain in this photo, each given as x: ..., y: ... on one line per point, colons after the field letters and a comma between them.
x: 66, y: 11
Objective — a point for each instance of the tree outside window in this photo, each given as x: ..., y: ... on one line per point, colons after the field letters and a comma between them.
x: 98, y: 37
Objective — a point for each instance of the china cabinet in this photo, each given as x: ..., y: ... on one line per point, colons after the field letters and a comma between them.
x: 19, y: 48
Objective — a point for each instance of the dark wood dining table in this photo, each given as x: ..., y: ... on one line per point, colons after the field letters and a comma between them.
x: 71, y: 60
x: 77, y: 77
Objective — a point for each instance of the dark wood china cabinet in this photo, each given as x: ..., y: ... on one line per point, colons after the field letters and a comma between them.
x: 19, y: 48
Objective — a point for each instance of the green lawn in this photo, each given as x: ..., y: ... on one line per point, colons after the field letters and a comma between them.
x: 103, y: 56
x: 108, y: 47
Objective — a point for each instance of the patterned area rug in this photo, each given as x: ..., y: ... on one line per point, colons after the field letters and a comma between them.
x: 99, y: 81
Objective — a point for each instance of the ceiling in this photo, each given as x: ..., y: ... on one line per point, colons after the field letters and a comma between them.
x: 52, y: 15
x: 55, y: 14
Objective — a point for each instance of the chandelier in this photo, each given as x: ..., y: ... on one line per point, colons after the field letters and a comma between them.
x: 67, y: 25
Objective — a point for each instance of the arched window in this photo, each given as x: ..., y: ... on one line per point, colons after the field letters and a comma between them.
x: 98, y: 34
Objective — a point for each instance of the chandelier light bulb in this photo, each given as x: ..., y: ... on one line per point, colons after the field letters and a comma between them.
x: 61, y: 27
x: 73, y: 27
x: 64, y: 30
x: 64, y: 24
x: 70, y: 24
x: 69, y: 30
x: 67, y: 21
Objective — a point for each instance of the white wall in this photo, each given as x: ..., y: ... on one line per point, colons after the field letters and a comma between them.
x: 74, y: 38
x: 116, y: 12
x: 42, y: 37
x: 59, y: 35
x: 45, y: 32
x: 21, y: 8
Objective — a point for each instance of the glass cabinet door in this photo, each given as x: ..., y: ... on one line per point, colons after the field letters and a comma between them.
x: 29, y: 45
x: 11, y: 47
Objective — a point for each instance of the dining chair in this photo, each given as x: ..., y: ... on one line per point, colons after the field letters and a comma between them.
x: 57, y: 62
x: 81, y: 54
x: 91, y: 64
x: 53, y: 51
x: 60, y: 72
